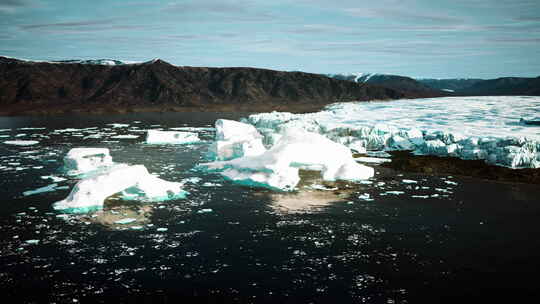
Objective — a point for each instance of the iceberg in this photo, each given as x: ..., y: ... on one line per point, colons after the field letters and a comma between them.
x: 278, y: 167
x: 91, y: 192
x: 84, y: 160
x: 171, y: 137
x: 235, y: 139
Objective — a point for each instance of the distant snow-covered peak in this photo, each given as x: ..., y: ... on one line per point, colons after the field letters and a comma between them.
x: 103, y: 61
x: 356, y: 77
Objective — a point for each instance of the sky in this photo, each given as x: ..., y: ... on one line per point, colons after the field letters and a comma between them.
x: 417, y: 38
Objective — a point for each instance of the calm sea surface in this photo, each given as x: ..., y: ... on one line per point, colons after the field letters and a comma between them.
x: 438, y: 239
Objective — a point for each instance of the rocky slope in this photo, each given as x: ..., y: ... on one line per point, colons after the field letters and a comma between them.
x: 454, y: 85
x: 42, y: 87
x: 400, y: 83
x: 504, y: 86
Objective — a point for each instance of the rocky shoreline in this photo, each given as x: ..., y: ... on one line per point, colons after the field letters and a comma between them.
x: 406, y: 161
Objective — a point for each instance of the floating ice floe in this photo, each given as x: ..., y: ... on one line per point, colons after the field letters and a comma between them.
x: 372, y: 160
x: 235, y: 139
x: 126, y: 136
x: 278, y: 167
x: 125, y: 221
x: 171, y: 137
x: 118, y: 125
x: 48, y: 188
x: 21, y: 142
x: 84, y: 160
x: 470, y: 128
x: 133, y: 181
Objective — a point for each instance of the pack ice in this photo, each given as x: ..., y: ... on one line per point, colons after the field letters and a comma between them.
x: 171, y: 137
x: 235, y: 139
x: 135, y: 181
x: 277, y: 168
x: 492, y: 129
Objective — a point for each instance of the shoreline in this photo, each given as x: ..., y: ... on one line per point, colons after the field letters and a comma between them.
x: 437, y: 165
x: 45, y: 110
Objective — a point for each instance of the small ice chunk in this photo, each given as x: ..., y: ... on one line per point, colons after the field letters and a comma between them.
x: 206, y: 210
x: 124, y: 221
x: 392, y: 192
x: 83, y: 160
x: 48, y: 188
x: 192, y: 180
x: 171, y: 137
x: 365, y: 197
x: 118, y: 125
x: 372, y: 160
x: 409, y: 181
x: 32, y: 242
x: 420, y: 196
x: 55, y: 179
x: 126, y: 136
x: 21, y: 142
x: 451, y: 182
x: 321, y: 187
x: 161, y: 229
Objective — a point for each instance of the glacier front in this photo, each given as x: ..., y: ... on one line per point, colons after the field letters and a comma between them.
x: 485, y: 128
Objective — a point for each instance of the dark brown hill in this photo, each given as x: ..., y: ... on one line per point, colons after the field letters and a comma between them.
x: 41, y: 87
x: 404, y: 84
x: 505, y: 86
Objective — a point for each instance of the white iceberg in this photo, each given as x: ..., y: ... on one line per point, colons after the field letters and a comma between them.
x: 90, y: 193
x: 84, y: 160
x: 235, y: 139
x: 171, y: 137
x: 278, y: 167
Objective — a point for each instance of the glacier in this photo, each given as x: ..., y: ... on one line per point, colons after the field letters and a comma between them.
x: 171, y: 137
x: 471, y: 128
x: 278, y: 167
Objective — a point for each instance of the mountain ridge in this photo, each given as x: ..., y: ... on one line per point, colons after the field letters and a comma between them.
x: 450, y: 86
x: 28, y: 87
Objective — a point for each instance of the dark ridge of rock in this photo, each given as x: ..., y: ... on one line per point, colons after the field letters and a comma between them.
x: 504, y: 86
x: 400, y: 83
x: 43, y: 87
x: 454, y: 85
x: 406, y: 161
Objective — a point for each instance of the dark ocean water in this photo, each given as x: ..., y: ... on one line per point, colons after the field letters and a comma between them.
x: 443, y: 239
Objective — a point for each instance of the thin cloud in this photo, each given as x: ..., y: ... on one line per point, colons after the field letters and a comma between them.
x: 403, y: 15
x: 11, y: 6
x: 219, y: 11
x: 68, y: 24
